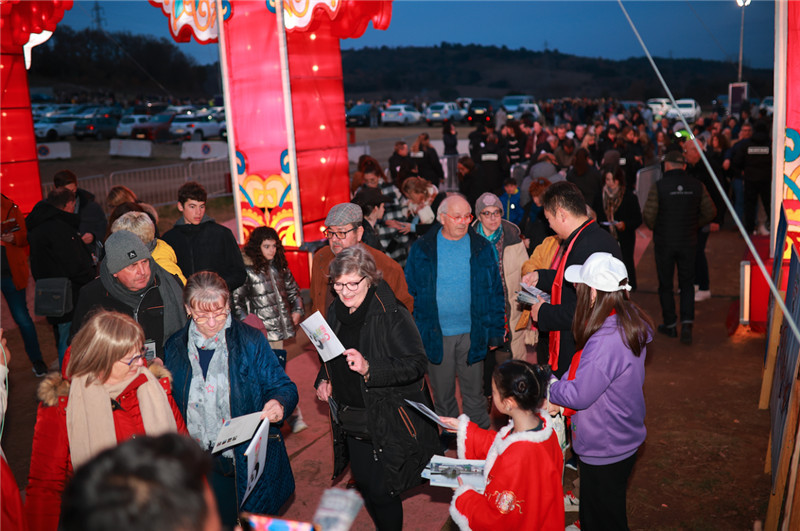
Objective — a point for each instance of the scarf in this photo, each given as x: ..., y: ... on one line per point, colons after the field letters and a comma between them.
x: 171, y: 295
x: 611, y: 202
x: 90, y: 419
x: 493, y: 239
x: 209, y: 404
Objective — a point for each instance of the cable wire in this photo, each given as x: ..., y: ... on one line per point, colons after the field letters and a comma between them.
x: 768, y: 277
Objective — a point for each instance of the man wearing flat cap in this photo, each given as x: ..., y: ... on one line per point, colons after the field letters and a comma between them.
x: 131, y: 282
x: 344, y: 229
x: 677, y: 205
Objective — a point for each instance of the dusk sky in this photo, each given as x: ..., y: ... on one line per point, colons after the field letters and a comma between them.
x: 678, y: 28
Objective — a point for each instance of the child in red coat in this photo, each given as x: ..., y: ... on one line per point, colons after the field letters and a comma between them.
x: 523, y: 460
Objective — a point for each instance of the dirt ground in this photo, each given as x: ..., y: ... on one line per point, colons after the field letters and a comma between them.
x: 702, y: 466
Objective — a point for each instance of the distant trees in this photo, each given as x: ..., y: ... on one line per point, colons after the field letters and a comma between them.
x: 119, y: 62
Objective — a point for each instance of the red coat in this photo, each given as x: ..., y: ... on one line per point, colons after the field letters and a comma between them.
x: 523, y: 479
x: 51, y: 464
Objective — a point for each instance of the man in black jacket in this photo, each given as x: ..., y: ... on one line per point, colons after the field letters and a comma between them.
x: 57, y: 251
x: 754, y: 156
x: 565, y: 210
x: 678, y: 204
x: 93, y: 221
x: 131, y: 282
x: 200, y: 243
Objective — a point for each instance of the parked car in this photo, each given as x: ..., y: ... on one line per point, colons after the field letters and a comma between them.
x: 443, y: 110
x: 767, y: 104
x: 659, y: 106
x: 51, y: 128
x: 401, y: 115
x: 128, y: 122
x: 511, y: 103
x: 199, y: 126
x: 530, y: 110
x: 481, y: 110
x: 359, y: 115
x: 157, y: 129
x: 97, y: 127
x: 688, y: 108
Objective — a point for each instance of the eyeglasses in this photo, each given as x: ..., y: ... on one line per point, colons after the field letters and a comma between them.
x: 339, y: 235
x: 460, y: 219
x: 352, y: 286
x: 202, y: 319
x: 141, y: 355
x: 492, y: 214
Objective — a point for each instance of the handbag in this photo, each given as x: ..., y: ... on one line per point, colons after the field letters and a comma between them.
x: 53, y: 297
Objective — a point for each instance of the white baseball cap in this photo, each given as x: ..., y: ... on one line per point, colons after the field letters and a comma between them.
x: 601, y: 271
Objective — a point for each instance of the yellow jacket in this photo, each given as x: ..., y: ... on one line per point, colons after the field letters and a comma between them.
x: 164, y: 256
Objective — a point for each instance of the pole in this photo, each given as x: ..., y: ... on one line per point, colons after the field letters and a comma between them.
x: 741, y: 43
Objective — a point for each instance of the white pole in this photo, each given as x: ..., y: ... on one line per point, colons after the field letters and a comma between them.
x: 741, y: 45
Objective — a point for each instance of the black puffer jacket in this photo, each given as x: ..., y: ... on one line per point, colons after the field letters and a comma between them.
x: 404, y: 440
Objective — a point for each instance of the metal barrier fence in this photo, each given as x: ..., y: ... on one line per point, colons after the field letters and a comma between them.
x: 159, y: 185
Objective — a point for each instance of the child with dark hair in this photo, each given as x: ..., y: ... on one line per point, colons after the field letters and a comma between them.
x: 523, y: 460
x: 604, y: 386
x: 511, y: 202
x: 271, y: 293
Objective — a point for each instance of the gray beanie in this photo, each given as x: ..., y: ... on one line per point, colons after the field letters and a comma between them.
x: 124, y: 248
x: 488, y: 199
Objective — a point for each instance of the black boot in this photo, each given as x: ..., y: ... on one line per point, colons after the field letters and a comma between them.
x: 686, y: 333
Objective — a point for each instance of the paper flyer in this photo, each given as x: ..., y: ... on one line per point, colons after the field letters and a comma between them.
x: 428, y: 412
x: 236, y: 431
x: 322, y: 337
x: 445, y: 471
x: 256, y: 454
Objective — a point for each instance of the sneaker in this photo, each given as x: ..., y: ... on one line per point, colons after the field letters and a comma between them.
x: 39, y: 368
x: 686, y: 334
x: 574, y: 527
x: 572, y: 463
x: 669, y: 331
x: 571, y: 503
x: 297, y: 424
x: 702, y: 295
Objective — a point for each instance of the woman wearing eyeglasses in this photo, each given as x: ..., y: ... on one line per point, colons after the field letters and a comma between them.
x: 510, y: 253
x: 224, y: 369
x: 386, y: 441
x: 107, y: 397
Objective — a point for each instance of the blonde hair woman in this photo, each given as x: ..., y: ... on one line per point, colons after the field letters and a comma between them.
x: 107, y: 397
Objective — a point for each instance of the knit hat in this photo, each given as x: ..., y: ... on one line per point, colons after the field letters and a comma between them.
x: 488, y: 199
x: 344, y: 214
x: 124, y: 248
x: 675, y: 156
x: 600, y: 271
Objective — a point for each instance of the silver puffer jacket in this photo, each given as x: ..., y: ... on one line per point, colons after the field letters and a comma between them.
x: 272, y: 296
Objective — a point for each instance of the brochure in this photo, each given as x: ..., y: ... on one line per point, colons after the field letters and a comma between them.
x: 256, y: 454
x: 425, y: 410
x: 445, y: 471
x: 236, y: 431
x: 322, y: 337
x: 337, y: 510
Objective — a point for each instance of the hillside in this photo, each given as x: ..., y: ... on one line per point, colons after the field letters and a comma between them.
x: 452, y: 70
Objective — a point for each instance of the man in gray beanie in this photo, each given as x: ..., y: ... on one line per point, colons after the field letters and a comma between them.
x: 130, y: 282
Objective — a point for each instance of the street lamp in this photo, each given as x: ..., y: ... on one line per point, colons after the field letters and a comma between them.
x: 742, y: 4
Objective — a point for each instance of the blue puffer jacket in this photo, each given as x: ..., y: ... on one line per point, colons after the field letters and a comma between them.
x: 487, y: 306
x: 255, y: 378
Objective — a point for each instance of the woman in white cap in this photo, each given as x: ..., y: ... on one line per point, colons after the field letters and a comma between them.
x: 603, y: 388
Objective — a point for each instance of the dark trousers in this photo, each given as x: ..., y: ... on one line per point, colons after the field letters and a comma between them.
x: 752, y: 191
x: 628, y: 249
x: 385, y: 510
x: 667, y: 258
x: 223, y: 483
x: 700, y: 261
x: 18, y: 304
x: 603, y: 498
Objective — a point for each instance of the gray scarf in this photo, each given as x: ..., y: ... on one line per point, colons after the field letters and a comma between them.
x: 169, y: 289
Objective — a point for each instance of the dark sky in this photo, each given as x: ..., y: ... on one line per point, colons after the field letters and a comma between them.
x: 677, y: 28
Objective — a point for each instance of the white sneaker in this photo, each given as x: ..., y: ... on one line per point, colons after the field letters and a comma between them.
x: 571, y: 503
x: 702, y: 295
x: 297, y: 423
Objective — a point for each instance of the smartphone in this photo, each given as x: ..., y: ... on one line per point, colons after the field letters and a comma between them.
x: 261, y: 522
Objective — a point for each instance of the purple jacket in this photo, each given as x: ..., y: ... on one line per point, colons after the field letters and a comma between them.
x: 608, y: 397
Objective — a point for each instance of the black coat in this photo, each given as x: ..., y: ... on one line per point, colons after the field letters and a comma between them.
x: 57, y: 249
x: 403, y: 439
x: 207, y: 246
x: 428, y: 165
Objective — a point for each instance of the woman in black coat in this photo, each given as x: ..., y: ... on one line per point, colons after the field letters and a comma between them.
x: 427, y: 160
x: 387, y: 442
x: 621, y: 216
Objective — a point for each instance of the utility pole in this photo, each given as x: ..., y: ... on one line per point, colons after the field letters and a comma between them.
x: 97, y: 16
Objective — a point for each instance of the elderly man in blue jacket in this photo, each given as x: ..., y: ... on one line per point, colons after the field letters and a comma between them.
x: 458, y: 307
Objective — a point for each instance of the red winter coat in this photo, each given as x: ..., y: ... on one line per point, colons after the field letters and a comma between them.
x: 523, y: 479
x: 51, y: 464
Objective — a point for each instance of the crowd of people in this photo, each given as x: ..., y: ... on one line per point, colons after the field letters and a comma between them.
x: 177, y: 333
